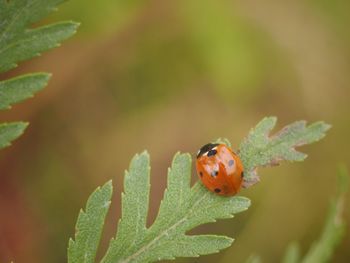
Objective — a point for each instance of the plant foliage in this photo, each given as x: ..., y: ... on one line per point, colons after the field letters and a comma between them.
x: 19, y: 42
x: 90, y: 224
x: 260, y: 149
x: 10, y: 131
x: 182, y: 208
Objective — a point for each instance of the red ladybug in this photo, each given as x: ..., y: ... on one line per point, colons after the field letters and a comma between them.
x: 220, y: 169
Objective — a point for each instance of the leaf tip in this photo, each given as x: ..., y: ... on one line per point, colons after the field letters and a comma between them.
x: 75, y: 24
x: 182, y: 156
x: 109, y: 183
x: 270, y: 119
x: 48, y: 76
x: 327, y: 126
x: 144, y: 153
x: 230, y: 240
x: 108, y: 186
x: 23, y: 124
x: 223, y: 141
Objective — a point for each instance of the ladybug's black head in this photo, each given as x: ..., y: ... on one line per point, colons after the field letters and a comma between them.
x: 206, y: 148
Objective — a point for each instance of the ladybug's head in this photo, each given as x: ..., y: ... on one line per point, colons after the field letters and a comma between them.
x: 206, y: 148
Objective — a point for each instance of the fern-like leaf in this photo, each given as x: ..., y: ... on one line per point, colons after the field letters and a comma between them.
x: 19, y: 42
x: 182, y: 209
x: 261, y: 149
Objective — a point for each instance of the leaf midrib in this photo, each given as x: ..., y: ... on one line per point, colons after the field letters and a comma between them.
x: 163, y: 233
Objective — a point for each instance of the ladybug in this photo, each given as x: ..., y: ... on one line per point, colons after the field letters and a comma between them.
x: 220, y: 169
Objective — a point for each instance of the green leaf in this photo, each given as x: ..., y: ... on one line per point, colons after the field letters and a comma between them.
x: 292, y: 254
x: 32, y: 42
x: 182, y: 209
x: 135, y: 201
x: 89, y: 226
x: 21, y: 88
x: 10, y: 132
x: 334, y: 229
x: 18, y: 43
x: 260, y: 149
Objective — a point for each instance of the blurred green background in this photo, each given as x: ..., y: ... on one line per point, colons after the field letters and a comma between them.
x: 174, y: 75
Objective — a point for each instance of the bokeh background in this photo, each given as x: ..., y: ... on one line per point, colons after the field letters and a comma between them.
x: 170, y: 76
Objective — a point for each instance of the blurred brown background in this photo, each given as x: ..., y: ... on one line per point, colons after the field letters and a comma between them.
x: 168, y: 76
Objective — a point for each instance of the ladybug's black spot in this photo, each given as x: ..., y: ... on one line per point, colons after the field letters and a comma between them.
x: 242, y: 174
x: 217, y: 190
x: 201, y: 174
x: 231, y: 162
x: 206, y: 148
x: 214, y: 173
x: 212, y: 153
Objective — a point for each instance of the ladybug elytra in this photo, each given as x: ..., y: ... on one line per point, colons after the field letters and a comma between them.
x: 219, y: 169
